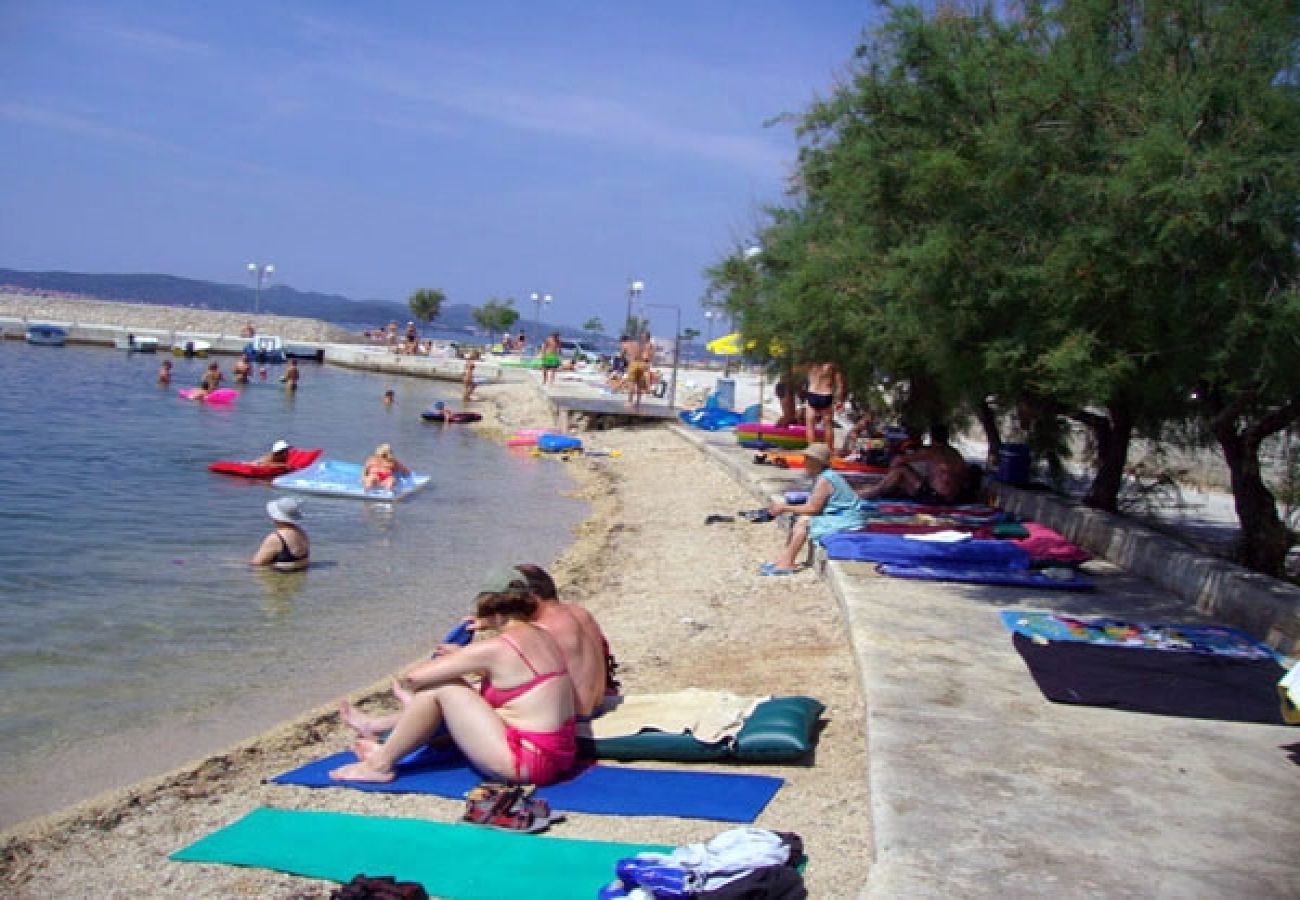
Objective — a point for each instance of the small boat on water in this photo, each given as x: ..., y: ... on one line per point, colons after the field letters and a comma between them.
x: 133, y: 344
x: 188, y: 348
x: 265, y: 348
x: 47, y: 335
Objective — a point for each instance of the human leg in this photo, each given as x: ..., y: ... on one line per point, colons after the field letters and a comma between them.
x: 793, y: 544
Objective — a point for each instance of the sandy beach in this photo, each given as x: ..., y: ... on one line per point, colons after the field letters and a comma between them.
x: 682, y: 606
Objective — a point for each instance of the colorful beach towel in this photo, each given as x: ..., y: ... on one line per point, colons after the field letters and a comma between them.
x: 598, y: 789
x: 1215, y: 640
x: 464, y: 861
x: 1196, y: 671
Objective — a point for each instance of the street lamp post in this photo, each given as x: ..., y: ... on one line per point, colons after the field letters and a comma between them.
x: 261, y: 274
x: 539, y: 300
x: 634, y: 290
x: 677, y: 345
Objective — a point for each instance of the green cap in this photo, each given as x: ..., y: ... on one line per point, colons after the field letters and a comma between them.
x: 502, y: 580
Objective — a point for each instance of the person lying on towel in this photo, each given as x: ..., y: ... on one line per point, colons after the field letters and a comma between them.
x: 518, y: 725
x: 933, y: 474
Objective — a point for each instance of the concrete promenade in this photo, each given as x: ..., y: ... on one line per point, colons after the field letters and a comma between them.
x: 983, y: 788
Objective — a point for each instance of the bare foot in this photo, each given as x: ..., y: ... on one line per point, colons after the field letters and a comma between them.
x: 356, y: 720
x: 404, y: 695
x: 364, y: 748
x: 360, y: 771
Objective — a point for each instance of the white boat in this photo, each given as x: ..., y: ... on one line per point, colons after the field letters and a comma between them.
x: 265, y: 348
x: 47, y: 335
x: 133, y: 344
x: 191, y: 347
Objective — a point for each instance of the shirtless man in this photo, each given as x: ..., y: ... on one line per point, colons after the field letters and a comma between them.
x: 940, y: 480
x: 824, y: 396
x: 585, y: 649
x: 640, y: 356
x: 243, y: 371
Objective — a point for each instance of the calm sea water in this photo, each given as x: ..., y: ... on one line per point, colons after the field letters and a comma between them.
x: 126, y: 602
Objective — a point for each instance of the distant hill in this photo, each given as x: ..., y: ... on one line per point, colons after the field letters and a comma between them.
x: 168, y: 290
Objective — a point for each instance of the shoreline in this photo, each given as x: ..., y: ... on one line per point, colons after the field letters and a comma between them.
x: 655, y: 579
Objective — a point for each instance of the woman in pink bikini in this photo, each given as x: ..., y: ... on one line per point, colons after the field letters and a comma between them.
x: 518, y: 725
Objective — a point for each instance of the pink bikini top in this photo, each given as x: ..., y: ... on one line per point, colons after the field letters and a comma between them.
x: 498, y: 697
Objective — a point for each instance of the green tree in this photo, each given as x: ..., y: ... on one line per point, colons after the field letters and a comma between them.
x: 1086, y: 210
x: 426, y: 304
x: 594, y: 325
x: 496, y: 316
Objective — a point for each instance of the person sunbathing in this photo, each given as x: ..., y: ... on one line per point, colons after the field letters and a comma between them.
x: 586, y: 651
x: 518, y: 725
x: 933, y: 474
x: 382, y: 469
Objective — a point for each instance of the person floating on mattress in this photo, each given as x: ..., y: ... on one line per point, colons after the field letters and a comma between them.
x: 382, y: 469
x: 933, y: 474
x: 278, y: 457
x: 831, y: 506
x: 285, y: 549
x: 518, y: 725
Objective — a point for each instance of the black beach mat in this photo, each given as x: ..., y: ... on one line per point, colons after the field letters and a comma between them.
x: 1160, y: 682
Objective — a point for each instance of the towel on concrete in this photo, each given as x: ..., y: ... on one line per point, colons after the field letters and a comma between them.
x: 708, y: 716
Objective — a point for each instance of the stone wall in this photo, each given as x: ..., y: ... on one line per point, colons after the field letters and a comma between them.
x: 66, y: 310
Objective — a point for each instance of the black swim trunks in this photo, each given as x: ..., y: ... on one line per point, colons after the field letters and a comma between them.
x: 820, y: 401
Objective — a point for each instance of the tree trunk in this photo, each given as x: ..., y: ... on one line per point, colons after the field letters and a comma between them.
x: 1114, y: 432
x: 1264, y: 537
x: 989, y: 420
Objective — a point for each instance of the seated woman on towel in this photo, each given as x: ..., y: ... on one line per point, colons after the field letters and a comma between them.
x: 831, y: 506
x: 518, y: 725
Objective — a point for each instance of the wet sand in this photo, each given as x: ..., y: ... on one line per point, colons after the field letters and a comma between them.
x: 682, y: 606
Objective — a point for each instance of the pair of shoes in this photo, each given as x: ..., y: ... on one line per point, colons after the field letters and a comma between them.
x: 768, y: 568
x: 717, y: 518
x: 756, y: 515
x: 509, y: 807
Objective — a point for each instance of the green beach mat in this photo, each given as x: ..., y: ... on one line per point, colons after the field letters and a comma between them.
x: 449, y: 860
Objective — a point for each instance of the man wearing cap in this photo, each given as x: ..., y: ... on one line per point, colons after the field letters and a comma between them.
x: 286, y: 549
x: 832, y: 506
x: 278, y: 457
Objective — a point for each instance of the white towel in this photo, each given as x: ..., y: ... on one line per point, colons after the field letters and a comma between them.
x: 709, y: 716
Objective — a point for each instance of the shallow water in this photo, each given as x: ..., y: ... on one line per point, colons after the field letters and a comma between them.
x: 127, y: 602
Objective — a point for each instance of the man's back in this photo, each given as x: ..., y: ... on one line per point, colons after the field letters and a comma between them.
x: 573, y: 627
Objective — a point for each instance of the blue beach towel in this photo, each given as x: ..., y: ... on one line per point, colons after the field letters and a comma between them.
x: 893, y: 548
x: 599, y: 789
x: 1030, y: 578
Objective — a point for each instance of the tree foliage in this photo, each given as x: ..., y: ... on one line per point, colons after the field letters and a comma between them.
x: 1086, y: 209
x: 426, y: 304
x: 594, y: 325
x: 496, y: 316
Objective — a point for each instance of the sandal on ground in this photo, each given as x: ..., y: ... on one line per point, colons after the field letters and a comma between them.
x: 717, y: 518
x: 508, y: 808
x: 756, y: 515
x: 768, y: 568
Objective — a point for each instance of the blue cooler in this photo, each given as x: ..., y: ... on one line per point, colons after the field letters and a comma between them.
x: 1013, y: 464
x: 726, y: 393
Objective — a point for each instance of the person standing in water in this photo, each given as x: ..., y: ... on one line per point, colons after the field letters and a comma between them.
x: 286, y: 548
x: 165, y: 372
x: 290, y: 376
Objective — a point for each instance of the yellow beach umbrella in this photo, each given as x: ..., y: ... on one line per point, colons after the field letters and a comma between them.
x: 729, y: 345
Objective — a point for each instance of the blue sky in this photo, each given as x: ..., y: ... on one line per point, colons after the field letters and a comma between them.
x: 488, y: 149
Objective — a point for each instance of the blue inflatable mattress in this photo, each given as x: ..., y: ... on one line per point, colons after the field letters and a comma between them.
x: 1031, y: 578
x: 893, y: 548
x: 333, y: 478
